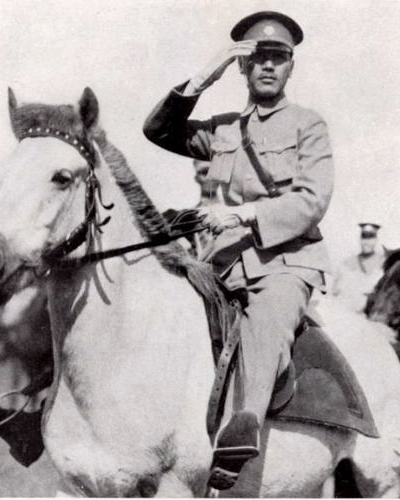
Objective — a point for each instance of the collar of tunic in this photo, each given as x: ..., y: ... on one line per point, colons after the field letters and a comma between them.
x: 263, y: 110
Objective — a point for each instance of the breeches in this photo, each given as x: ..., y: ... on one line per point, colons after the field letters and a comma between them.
x: 276, y: 305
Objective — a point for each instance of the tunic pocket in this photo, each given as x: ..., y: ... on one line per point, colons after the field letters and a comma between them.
x: 280, y: 159
x: 224, y: 156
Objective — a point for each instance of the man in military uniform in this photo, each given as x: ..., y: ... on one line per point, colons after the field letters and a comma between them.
x: 268, y: 220
x: 357, y: 275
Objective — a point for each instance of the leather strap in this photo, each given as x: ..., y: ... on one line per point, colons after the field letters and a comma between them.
x: 224, y: 369
x: 185, y: 224
x: 263, y: 174
x: 228, y: 357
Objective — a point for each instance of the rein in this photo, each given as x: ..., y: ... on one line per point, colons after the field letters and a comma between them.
x: 86, y: 230
x: 158, y: 240
x: 14, y: 413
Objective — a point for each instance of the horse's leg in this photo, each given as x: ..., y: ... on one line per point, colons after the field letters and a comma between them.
x: 300, y: 459
x: 172, y: 487
x: 345, y: 484
x: 212, y: 493
x: 328, y: 488
x: 64, y: 494
x: 63, y: 491
x: 376, y: 466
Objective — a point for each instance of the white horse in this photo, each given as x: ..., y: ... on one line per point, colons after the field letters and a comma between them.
x: 133, y: 364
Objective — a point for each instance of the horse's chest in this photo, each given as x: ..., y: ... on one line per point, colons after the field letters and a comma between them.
x: 103, y: 466
x: 85, y: 475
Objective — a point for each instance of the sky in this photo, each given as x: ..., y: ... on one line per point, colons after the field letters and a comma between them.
x: 131, y: 52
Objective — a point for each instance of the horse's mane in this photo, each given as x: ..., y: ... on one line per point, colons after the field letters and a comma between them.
x: 392, y: 256
x: 150, y: 221
x: 172, y: 256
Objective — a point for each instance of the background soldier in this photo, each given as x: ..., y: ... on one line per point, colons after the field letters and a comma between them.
x: 358, y: 274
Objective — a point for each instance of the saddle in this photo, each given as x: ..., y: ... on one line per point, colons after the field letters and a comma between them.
x: 318, y: 387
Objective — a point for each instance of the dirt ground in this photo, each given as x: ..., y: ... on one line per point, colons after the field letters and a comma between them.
x: 38, y: 480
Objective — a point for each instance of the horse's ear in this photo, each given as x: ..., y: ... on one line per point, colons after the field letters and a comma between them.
x: 12, y: 101
x: 89, y: 108
x: 386, y: 251
x: 12, y: 107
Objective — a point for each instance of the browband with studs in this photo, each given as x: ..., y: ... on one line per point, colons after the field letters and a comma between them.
x: 82, y: 145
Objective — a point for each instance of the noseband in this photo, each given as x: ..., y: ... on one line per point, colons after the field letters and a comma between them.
x: 86, y: 230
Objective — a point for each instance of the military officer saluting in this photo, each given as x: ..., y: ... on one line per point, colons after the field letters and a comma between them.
x: 357, y: 275
x: 274, y: 164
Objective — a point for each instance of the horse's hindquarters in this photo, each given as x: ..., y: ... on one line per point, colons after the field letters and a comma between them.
x: 300, y: 457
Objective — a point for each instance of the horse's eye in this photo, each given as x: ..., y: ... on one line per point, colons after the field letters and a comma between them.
x: 62, y: 178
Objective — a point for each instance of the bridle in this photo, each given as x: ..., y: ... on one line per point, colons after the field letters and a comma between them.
x: 55, y: 255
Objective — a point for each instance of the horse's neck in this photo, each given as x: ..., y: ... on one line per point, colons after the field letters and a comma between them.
x: 109, y: 282
x: 127, y: 307
x: 146, y: 216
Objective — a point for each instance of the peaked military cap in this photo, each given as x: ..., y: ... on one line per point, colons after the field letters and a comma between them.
x: 268, y: 27
x: 369, y: 230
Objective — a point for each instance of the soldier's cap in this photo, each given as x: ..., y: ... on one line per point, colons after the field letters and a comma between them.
x: 369, y: 230
x: 268, y: 28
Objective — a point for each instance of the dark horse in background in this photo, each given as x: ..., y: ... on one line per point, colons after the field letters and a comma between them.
x: 383, y: 304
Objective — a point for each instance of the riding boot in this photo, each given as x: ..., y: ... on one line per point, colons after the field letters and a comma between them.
x: 236, y: 443
x: 267, y: 335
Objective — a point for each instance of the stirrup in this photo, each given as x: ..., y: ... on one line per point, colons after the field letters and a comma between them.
x: 227, y: 466
x: 236, y: 443
x: 222, y: 479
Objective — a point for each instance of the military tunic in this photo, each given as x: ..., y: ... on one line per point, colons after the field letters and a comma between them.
x: 284, y: 256
x: 293, y: 144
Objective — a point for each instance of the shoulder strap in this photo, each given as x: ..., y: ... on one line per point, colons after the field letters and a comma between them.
x: 263, y: 174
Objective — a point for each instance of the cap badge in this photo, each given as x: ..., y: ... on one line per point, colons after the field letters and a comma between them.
x: 269, y: 30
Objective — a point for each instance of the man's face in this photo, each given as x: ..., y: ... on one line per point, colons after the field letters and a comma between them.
x: 267, y: 72
x: 368, y: 245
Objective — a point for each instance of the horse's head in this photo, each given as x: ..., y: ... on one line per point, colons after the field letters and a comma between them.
x: 383, y: 303
x: 40, y: 182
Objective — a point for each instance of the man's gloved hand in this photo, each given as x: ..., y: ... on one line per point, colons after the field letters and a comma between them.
x: 216, y: 67
x: 221, y: 217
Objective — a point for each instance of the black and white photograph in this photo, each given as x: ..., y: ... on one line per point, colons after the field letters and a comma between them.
x: 200, y: 248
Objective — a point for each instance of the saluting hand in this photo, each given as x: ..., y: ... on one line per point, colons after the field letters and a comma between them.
x: 216, y: 67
